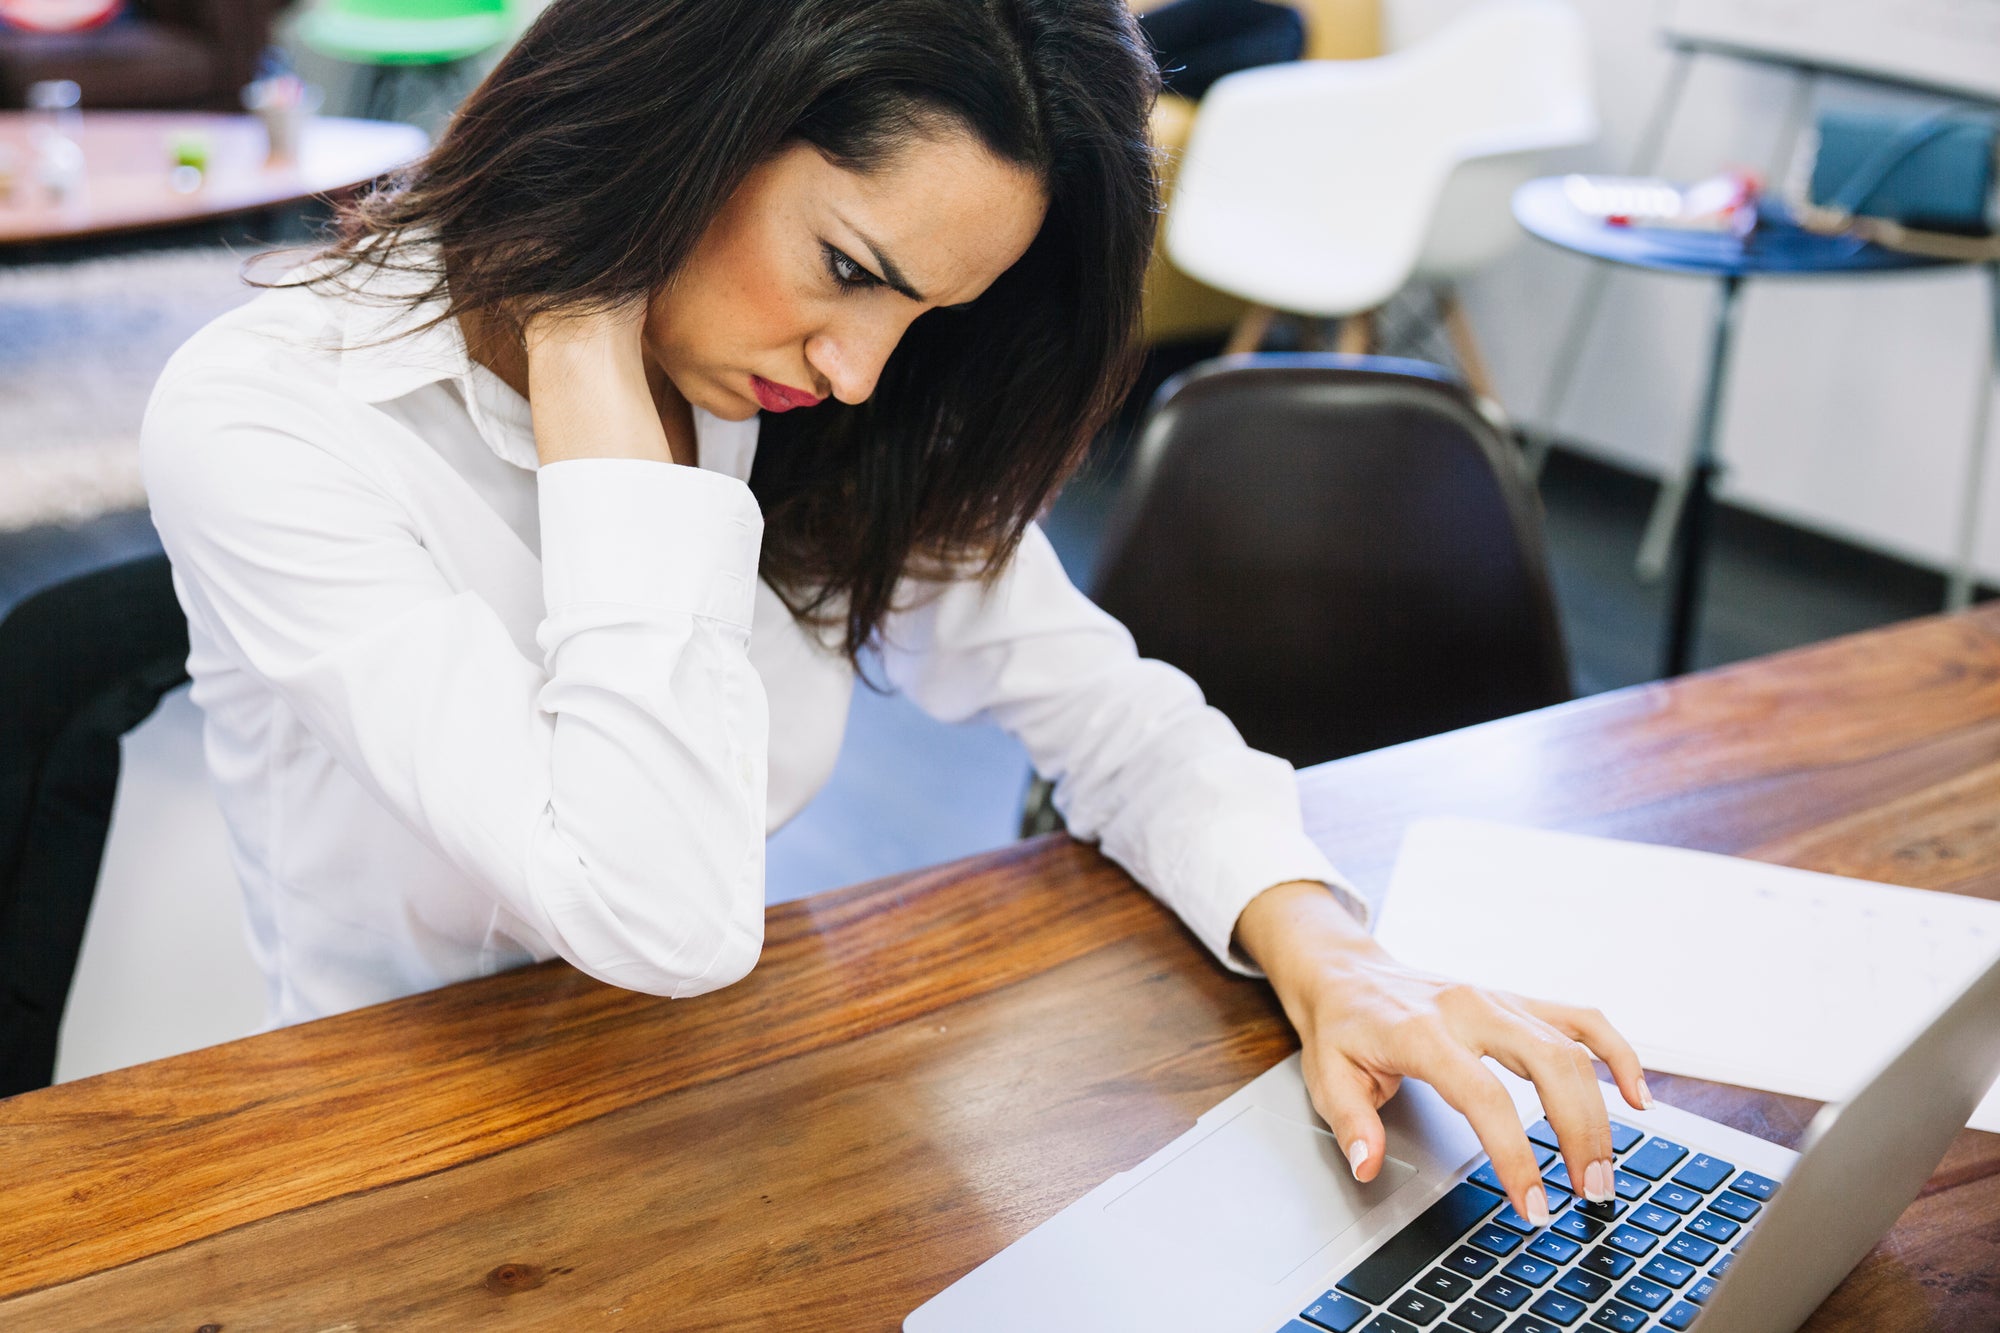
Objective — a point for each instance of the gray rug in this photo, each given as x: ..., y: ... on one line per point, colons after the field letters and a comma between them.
x: 80, y: 347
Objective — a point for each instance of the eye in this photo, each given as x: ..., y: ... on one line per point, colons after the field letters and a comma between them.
x: 846, y: 274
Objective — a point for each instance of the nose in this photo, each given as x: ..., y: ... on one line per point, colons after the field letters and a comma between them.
x: 848, y: 356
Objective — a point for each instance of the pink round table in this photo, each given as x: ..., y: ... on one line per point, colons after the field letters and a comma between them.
x: 129, y: 159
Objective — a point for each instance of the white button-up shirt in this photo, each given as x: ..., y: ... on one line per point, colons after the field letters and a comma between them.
x: 462, y: 712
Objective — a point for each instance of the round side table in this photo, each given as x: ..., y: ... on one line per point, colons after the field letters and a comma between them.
x: 126, y: 186
x: 1777, y: 248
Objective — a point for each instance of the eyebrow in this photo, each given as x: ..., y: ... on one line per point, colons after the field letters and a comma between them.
x: 891, y: 275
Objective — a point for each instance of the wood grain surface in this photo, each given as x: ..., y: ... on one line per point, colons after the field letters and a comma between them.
x: 922, y: 1069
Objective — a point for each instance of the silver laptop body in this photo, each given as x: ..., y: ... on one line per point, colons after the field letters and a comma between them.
x: 1249, y: 1219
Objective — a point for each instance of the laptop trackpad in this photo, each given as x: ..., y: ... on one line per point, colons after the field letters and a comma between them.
x: 1259, y: 1196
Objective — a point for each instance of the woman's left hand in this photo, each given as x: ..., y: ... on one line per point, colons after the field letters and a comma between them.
x: 1366, y: 1021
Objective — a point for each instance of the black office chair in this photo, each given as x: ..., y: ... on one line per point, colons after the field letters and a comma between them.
x: 1342, y: 551
x: 83, y: 659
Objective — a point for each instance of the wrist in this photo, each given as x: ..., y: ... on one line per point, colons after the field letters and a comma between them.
x: 1290, y: 927
x: 589, y: 400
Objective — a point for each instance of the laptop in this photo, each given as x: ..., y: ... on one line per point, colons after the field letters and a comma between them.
x: 1251, y: 1223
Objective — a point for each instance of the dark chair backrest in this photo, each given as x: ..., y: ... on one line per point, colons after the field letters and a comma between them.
x: 83, y: 660
x: 1342, y: 551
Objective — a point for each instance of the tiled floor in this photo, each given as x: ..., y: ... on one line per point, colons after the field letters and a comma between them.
x: 164, y: 968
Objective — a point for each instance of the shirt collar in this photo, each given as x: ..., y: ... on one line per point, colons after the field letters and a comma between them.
x: 387, y: 352
x: 390, y: 347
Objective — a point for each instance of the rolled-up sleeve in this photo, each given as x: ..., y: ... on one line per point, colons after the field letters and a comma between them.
x: 610, y: 792
x: 1141, y: 764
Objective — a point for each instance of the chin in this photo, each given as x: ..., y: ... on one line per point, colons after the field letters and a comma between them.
x: 735, y: 409
x: 726, y: 404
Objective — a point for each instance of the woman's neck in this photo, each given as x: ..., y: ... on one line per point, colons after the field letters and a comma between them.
x: 496, y: 344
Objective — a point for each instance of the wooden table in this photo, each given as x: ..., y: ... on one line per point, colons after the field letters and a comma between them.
x: 925, y: 1067
x: 128, y: 157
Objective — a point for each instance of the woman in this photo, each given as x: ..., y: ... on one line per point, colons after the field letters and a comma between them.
x: 515, y: 631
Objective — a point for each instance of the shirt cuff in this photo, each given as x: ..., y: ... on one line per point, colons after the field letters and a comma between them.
x: 1250, y: 860
x: 644, y: 533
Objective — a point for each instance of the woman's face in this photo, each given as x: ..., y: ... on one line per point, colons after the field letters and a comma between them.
x: 805, y: 281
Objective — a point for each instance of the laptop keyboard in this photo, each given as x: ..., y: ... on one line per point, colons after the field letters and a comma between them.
x: 1647, y: 1259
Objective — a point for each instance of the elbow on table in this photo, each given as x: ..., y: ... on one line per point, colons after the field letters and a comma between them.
x: 694, y: 928
x: 707, y: 951
x: 738, y: 945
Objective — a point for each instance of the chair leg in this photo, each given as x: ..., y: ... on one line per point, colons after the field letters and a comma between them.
x: 1465, y: 346
x: 1250, y: 330
x: 1656, y: 547
x: 1038, y: 809
x: 1964, y: 575
x: 1357, y: 334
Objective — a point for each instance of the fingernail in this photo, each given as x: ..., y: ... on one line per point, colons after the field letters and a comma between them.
x: 1645, y: 1096
x: 1538, y: 1207
x: 1597, y: 1186
x: 1357, y: 1153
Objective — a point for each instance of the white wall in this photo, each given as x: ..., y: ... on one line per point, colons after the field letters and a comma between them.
x: 1851, y: 400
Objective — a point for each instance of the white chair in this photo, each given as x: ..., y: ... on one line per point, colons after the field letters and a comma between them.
x: 1321, y: 188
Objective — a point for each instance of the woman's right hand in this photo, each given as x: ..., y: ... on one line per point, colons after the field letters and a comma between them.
x: 590, y: 391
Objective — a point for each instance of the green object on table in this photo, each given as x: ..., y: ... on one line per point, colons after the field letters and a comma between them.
x: 190, y: 150
x: 406, y: 32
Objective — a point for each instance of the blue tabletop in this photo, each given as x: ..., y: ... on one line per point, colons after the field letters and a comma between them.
x: 1777, y: 247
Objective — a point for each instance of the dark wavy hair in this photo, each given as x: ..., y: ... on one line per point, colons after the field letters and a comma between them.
x: 582, y: 171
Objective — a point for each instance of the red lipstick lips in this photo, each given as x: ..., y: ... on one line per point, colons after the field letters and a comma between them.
x: 779, y: 397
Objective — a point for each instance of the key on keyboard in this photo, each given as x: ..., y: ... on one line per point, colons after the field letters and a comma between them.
x: 1632, y: 1240
x: 1477, y: 1316
x: 1497, y: 1239
x: 1585, y: 1286
x: 1755, y: 1186
x: 1418, y: 1308
x: 1574, y: 1225
x: 1608, y: 1263
x: 1670, y: 1271
x: 1655, y: 1159
x: 1445, y: 1286
x: 1735, y: 1206
x: 1564, y: 1310
x: 1556, y: 1249
x: 1387, y: 1323
x: 1676, y: 1197
x: 1412, y: 1249
x: 1704, y: 1173
x: 1691, y: 1248
x: 1526, y: 1268
x: 1622, y: 1318
x: 1645, y: 1294
x: 1335, y: 1312
x: 1468, y: 1262
x: 1714, y: 1227
x: 1505, y: 1293
x: 1654, y: 1219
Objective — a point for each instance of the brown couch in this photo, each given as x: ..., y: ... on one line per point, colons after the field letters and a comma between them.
x: 161, y: 54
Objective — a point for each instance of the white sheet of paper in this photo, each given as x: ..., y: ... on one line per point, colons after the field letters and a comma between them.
x: 1720, y: 968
